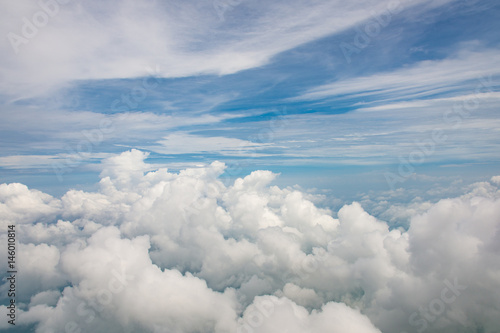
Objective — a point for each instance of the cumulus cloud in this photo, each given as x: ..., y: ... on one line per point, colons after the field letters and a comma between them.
x: 14, y: 200
x: 270, y: 314
x: 156, y: 251
x: 495, y: 180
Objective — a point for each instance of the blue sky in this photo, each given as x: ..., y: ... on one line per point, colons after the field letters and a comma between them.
x: 333, y: 96
x: 312, y: 166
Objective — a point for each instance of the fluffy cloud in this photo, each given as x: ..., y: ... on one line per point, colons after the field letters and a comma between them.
x: 495, y: 180
x: 270, y: 314
x: 14, y: 200
x: 155, y: 251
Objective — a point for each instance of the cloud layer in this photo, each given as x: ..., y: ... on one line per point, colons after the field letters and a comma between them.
x: 119, y: 40
x: 154, y: 251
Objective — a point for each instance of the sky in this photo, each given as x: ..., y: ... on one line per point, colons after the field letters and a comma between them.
x: 307, y: 166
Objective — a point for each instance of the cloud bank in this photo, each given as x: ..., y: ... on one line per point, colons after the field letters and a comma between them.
x: 154, y: 251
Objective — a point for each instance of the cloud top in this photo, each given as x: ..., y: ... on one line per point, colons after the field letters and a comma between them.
x: 196, y: 255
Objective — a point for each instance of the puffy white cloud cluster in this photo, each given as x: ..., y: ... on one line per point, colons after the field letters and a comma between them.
x: 153, y: 251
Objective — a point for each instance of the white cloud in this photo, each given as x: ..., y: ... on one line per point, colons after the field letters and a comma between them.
x: 387, y: 133
x: 495, y: 179
x: 119, y: 40
x: 27, y: 161
x: 49, y: 297
x: 81, y: 137
x: 302, y: 296
x: 196, y: 255
x: 420, y: 80
x: 184, y: 143
x: 269, y: 314
x: 18, y: 204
